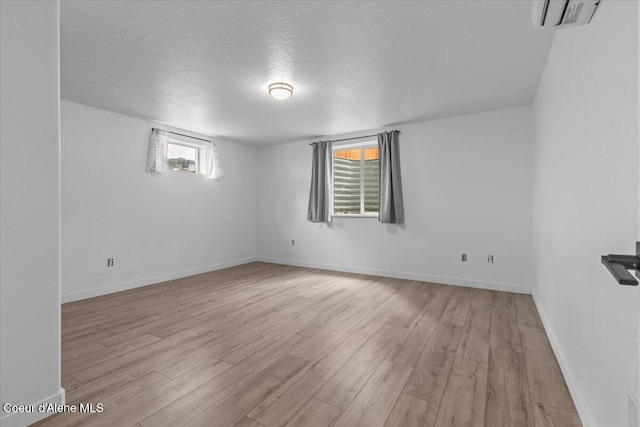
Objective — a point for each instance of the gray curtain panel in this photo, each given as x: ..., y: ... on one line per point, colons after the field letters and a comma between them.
x: 391, y: 206
x: 321, y: 188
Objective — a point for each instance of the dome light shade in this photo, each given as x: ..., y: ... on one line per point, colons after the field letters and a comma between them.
x: 280, y: 91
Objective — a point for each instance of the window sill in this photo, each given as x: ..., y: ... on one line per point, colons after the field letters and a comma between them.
x: 375, y: 215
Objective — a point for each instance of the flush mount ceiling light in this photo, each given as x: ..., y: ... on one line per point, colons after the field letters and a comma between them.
x: 280, y: 91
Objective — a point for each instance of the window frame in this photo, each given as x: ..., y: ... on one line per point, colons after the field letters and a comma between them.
x: 363, y: 145
x: 200, y: 149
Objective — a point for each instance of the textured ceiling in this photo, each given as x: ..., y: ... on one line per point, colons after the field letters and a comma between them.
x: 205, y: 66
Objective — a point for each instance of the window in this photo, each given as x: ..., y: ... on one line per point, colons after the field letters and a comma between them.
x: 183, y: 156
x: 356, y: 184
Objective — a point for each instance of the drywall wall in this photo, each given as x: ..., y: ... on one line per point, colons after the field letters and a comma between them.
x: 586, y: 204
x: 156, y: 228
x: 467, y: 189
x: 29, y: 208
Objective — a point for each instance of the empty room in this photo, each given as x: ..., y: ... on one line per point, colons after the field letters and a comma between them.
x: 320, y: 213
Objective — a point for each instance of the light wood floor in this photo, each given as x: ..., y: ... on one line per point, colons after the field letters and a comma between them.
x: 270, y: 345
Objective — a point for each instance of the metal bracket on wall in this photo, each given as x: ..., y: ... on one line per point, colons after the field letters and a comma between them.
x: 619, y: 265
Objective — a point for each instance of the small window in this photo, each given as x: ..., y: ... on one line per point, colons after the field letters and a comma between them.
x: 183, y: 156
x: 356, y: 187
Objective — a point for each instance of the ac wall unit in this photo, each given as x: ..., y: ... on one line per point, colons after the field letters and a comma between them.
x: 563, y: 13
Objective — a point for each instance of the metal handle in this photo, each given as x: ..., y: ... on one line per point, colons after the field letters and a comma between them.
x: 618, y: 266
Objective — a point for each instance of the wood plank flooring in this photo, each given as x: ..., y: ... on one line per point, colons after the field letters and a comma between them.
x: 266, y: 345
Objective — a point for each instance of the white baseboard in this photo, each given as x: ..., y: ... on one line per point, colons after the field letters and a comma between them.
x: 520, y: 289
x: 105, y: 290
x: 23, y: 419
x: 576, y: 395
x: 90, y: 293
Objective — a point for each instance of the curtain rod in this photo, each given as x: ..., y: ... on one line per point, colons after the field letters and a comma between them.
x: 355, y: 137
x: 181, y: 134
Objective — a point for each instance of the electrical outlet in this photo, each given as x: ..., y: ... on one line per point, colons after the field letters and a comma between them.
x: 109, y: 262
x: 464, y: 257
x: 293, y: 243
x: 490, y: 259
x: 634, y: 411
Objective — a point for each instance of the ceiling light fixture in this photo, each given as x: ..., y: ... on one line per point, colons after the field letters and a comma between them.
x: 280, y: 91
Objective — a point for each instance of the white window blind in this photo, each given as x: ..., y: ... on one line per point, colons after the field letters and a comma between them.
x: 356, y: 180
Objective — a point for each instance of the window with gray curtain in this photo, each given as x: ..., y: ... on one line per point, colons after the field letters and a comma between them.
x: 391, y: 208
x: 344, y: 181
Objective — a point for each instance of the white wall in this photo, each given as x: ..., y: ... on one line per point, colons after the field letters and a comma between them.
x: 155, y: 227
x: 586, y: 205
x: 467, y: 189
x: 29, y: 207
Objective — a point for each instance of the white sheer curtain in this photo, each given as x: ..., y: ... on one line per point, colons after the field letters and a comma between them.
x: 214, y: 167
x: 157, y: 155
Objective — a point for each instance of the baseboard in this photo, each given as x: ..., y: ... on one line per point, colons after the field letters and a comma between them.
x: 90, y: 293
x: 22, y: 419
x: 408, y: 276
x: 576, y: 395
